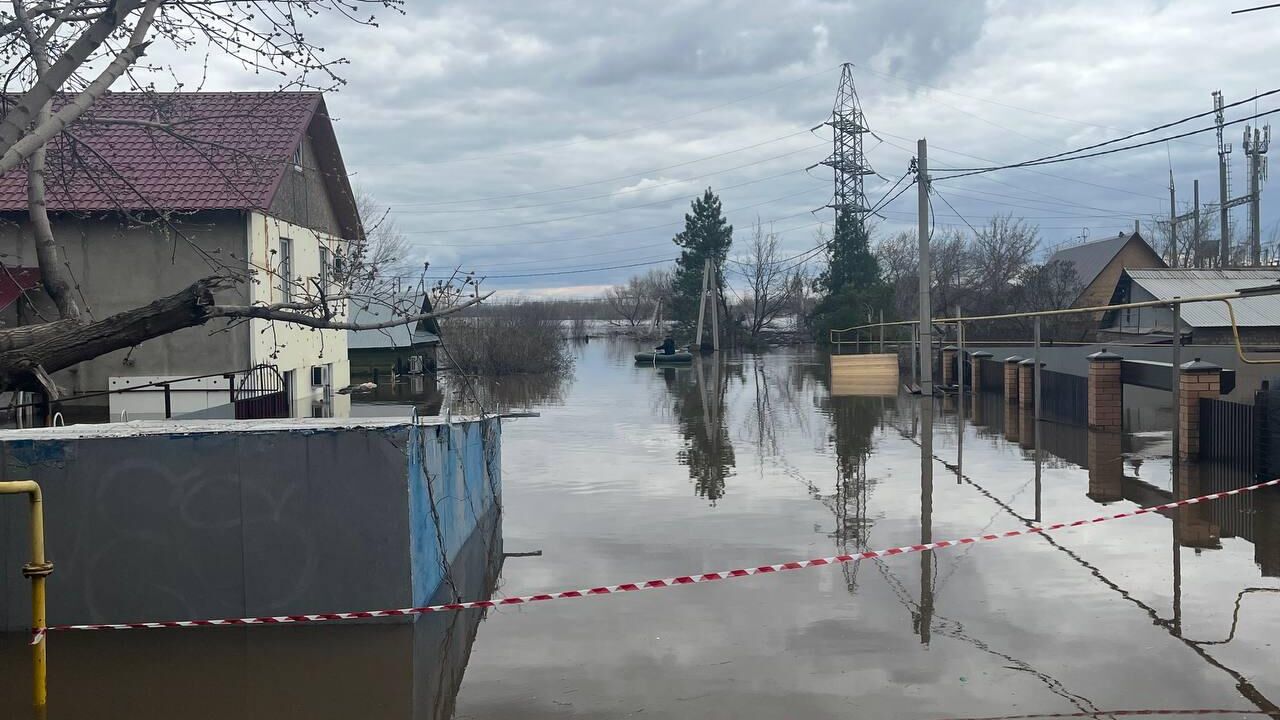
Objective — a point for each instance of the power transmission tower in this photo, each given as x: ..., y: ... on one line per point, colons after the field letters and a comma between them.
x: 1255, y: 150
x: 847, y: 161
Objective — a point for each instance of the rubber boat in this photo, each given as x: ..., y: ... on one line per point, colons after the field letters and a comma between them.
x: 656, y: 358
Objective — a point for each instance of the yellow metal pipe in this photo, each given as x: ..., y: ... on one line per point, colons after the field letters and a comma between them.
x: 37, y: 570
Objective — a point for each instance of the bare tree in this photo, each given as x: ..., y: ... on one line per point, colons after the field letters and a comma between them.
x: 771, y: 280
x: 63, y: 56
x: 377, y: 259
x: 635, y: 301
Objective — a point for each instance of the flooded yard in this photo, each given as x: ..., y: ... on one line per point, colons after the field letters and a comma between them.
x: 632, y: 473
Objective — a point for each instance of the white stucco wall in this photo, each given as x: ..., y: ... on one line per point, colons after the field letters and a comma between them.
x: 291, y: 347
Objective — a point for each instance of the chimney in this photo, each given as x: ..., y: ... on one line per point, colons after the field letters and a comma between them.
x: 1135, y: 227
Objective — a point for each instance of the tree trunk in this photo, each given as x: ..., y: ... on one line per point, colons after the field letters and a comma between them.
x: 60, y: 345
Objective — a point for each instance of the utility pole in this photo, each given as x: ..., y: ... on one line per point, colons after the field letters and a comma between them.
x: 1198, y: 244
x: 926, y: 320
x: 1173, y: 224
x: 1255, y: 149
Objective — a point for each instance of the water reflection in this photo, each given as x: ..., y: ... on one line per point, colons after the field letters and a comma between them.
x: 470, y: 395
x: 698, y: 402
x: 393, y: 670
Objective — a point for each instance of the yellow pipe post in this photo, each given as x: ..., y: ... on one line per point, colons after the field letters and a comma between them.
x: 37, y: 570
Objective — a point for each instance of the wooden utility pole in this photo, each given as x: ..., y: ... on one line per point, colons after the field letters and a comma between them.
x: 702, y: 305
x: 926, y: 321
x: 715, y: 306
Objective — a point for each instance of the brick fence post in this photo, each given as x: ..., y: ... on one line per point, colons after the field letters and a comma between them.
x: 975, y: 369
x: 1106, y: 394
x: 1011, y: 379
x: 948, y: 364
x: 1199, y: 380
x: 1027, y: 384
x: 1106, y: 466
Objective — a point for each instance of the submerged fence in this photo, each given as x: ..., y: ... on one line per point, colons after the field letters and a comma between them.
x: 1228, y: 432
x: 1064, y: 398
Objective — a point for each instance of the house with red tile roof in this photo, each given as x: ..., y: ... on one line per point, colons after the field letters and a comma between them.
x: 152, y: 192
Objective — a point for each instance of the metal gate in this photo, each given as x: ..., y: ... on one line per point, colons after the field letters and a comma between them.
x: 259, y: 394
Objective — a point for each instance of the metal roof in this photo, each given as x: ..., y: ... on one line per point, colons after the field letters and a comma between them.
x: 400, y: 336
x: 1091, y: 258
x: 1262, y: 311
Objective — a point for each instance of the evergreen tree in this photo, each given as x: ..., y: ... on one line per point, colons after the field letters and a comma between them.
x: 706, y: 235
x: 854, y: 290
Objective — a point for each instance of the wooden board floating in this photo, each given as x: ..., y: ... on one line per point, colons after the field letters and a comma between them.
x: 873, y: 374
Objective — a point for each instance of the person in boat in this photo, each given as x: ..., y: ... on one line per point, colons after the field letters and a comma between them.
x: 668, y: 346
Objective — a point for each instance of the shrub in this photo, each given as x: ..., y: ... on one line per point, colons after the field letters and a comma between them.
x: 516, y: 338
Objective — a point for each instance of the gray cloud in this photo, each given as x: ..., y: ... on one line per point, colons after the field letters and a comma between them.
x: 456, y: 102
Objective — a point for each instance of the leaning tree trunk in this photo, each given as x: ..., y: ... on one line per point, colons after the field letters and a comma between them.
x: 55, y: 346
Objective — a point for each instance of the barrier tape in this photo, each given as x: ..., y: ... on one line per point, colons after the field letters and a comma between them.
x: 39, y: 633
x: 1126, y: 713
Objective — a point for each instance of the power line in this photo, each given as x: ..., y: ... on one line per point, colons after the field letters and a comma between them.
x: 556, y: 272
x: 614, y: 178
x: 954, y: 210
x: 911, y: 152
x: 621, y: 232
x: 1053, y: 159
x: 617, y: 192
x: 639, y: 128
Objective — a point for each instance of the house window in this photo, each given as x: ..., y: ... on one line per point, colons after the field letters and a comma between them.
x: 297, y: 157
x: 325, y: 275
x: 286, y: 269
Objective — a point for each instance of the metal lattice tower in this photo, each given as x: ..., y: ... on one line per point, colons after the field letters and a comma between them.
x: 848, y: 163
x: 1256, y: 143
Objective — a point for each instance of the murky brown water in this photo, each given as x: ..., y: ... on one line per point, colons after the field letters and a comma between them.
x: 634, y: 473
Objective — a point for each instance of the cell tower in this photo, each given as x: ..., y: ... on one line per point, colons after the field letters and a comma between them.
x: 1256, y: 143
x: 847, y: 161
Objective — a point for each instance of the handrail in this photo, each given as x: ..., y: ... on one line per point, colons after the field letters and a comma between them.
x: 1216, y: 297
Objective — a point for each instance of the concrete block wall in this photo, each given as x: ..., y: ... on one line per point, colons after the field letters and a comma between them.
x: 156, y: 521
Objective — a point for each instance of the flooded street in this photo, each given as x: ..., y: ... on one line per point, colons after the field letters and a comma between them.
x: 634, y: 473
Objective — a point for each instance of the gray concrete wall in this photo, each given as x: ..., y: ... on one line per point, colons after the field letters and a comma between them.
x: 302, y: 198
x: 308, y: 517
x: 121, y: 266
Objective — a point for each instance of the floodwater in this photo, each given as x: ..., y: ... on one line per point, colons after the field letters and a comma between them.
x: 632, y: 473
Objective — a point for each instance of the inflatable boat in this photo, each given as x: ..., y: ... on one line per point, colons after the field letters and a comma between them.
x: 657, y: 358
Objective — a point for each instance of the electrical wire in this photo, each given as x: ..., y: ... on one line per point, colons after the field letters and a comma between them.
x: 627, y: 191
x: 934, y: 191
x: 636, y: 129
x: 1059, y: 158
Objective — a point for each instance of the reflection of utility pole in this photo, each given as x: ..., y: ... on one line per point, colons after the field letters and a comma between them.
x: 925, y: 619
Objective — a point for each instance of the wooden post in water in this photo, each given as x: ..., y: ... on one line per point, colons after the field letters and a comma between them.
x: 715, y: 306
x: 702, y: 305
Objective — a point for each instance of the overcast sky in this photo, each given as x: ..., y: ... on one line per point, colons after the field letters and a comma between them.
x: 518, y: 138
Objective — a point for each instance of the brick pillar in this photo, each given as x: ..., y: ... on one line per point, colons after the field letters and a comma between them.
x: 1106, y: 394
x: 1199, y: 380
x: 1106, y: 466
x: 975, y: 393
x: 1026, y: 384
x: 948, y: 365
x: 1011, y: 379
x: 1195, y: 526
x: 1011, y: 411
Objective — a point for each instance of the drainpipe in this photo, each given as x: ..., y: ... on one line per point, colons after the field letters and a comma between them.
x: 37, y: 570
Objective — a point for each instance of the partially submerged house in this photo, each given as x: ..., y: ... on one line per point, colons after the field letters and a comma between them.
x: 1257, y: 319
x: 399, y: 350
x: 157, y: 191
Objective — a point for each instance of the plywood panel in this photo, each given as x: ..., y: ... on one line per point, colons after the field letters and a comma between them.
x: 873, y: 374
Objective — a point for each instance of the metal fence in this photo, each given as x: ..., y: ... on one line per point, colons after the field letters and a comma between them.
x: 992, y: 373
x: 1228, y: 432
x: 1064, y: 398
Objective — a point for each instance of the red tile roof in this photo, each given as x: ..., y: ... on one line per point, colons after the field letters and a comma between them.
x: 222, y: 151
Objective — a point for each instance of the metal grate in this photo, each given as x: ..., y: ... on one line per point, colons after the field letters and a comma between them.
x: 1227, y: 432
x: 259, y: 394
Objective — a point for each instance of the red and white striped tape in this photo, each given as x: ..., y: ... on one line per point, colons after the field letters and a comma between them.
x: 1125, y: 713
x: 39, y: 633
